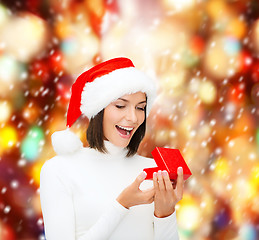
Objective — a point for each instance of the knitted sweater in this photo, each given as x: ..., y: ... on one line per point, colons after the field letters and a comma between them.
x: 78, y: 198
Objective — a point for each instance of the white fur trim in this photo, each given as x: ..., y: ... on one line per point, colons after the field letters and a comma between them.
x: 103, y: 90
x: 65, y: 142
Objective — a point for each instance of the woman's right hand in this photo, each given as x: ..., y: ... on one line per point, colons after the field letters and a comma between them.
x: 132, y: 195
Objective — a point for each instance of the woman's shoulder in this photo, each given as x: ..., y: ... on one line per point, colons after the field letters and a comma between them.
x: 54, y: 164
x: 69, y: 160
x: 60, y: 166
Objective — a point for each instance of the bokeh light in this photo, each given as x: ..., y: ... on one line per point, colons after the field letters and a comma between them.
x: 221, y: 56
x: 3, y: 17
x: 32, y: 143
x: 178, y: 5
x: 189, y: 208
x: 9, y: 69
x: 255, y: 36
x: 5, y: 111
x: 32, y: 34
x: 207, y: 92
x: 8, y: 137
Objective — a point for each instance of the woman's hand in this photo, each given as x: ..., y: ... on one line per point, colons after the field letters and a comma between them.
x: 132, y: 195
x: 166, y: 196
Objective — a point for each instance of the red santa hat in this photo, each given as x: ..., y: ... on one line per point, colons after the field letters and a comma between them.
x: 95, y: 89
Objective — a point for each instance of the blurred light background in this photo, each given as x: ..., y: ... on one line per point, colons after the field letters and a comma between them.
x: 204, y: 55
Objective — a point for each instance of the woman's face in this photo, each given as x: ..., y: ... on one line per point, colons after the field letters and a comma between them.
x: 122, y: 118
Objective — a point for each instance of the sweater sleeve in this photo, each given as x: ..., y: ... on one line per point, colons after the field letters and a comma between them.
x: 166, y: 228
x: 58, y: 212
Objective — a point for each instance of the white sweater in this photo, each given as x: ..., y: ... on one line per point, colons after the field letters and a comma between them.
x: 78, y: 198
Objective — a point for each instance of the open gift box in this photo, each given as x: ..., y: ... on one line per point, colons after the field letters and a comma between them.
x: 168, y: 159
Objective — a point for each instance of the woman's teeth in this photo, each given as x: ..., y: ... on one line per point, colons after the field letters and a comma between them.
x: 124, y: 130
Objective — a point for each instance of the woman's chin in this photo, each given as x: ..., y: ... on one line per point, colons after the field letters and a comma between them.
x: 123, y: 143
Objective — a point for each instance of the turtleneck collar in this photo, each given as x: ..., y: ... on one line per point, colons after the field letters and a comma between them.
x: 114, y: 150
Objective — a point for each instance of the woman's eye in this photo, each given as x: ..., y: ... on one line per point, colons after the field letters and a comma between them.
x: 119, y: 106
x: 141, y: 108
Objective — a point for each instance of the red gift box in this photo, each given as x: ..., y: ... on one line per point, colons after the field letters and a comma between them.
x: 168, y: 159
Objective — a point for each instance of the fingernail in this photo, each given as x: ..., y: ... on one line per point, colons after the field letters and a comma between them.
x: 180, y: 170
x: 143, y: 174
x: 154, y: 174
x: 164, y: 173
x: 159, y: 172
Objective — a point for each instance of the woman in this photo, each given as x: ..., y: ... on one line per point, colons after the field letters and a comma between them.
x: 90, y: 193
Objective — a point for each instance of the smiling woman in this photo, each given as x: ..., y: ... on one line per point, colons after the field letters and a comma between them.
x: 92, y: 193
x: 118, y: 123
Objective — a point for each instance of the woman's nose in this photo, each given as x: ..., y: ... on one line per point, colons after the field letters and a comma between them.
x: 131, y: 115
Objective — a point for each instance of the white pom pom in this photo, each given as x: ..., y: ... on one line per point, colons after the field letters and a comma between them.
x: 65, y: 142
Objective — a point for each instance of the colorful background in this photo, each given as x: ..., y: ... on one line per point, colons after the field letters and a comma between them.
x: 204, y: 55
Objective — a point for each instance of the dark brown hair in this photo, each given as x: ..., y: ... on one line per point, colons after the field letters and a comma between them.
x: 95, y: 135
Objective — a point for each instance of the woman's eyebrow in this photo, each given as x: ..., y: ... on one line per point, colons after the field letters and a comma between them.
x: 142, y: 102
x: 125, y: 100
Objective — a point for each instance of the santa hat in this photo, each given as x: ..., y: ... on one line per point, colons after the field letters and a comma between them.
x: 95, y: 89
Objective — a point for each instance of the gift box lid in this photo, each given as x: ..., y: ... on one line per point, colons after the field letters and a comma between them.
x: 168, y: 159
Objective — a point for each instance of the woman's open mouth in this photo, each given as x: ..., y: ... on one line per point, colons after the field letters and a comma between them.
x: 124, y: 131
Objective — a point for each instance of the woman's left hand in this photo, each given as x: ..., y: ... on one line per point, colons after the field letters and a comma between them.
x: 166, y: 196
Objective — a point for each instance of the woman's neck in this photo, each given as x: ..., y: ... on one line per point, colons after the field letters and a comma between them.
x: 113, y: 149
